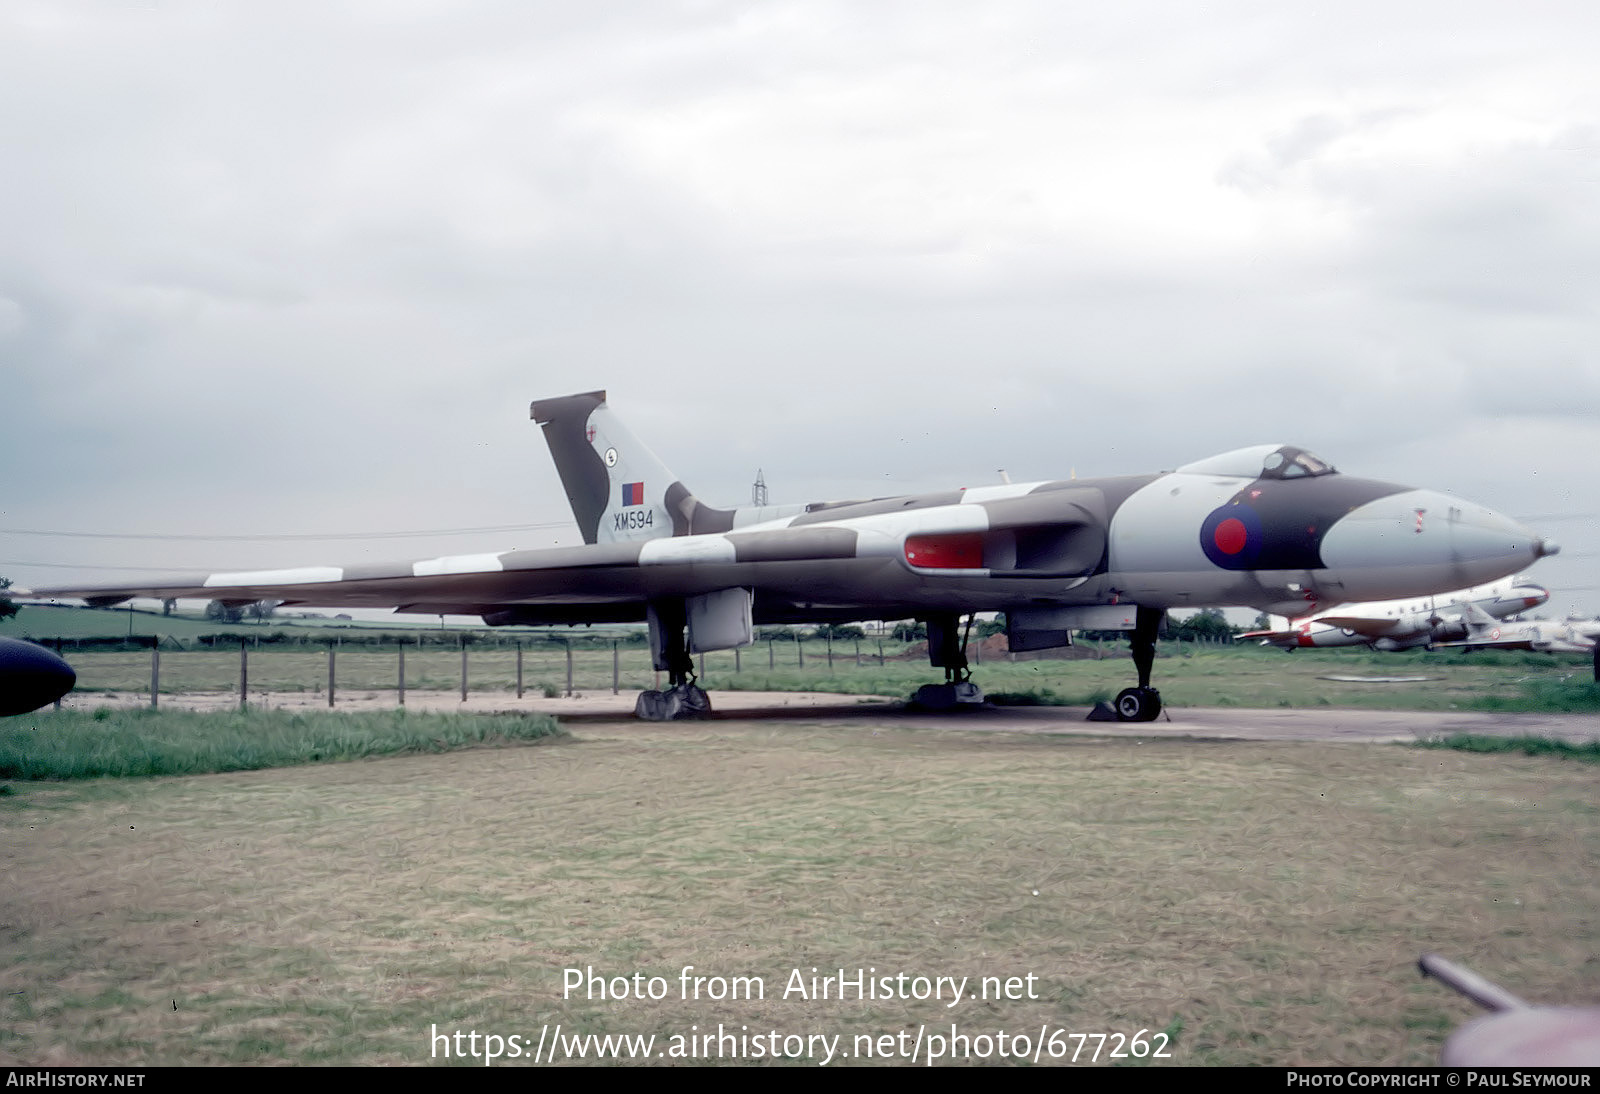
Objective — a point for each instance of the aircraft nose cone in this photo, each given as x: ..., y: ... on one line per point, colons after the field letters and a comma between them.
x: 1420, y: 541
x: 31, y: 676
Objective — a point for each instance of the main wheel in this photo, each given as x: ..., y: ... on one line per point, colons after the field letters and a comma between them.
x: 693, y: 702
x: 651, y: 706
x: 1138, y: 704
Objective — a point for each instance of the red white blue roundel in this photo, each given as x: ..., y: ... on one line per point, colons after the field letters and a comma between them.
x: 1232, y: 537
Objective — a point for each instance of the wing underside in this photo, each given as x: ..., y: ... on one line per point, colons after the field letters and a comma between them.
x: 1366, y: 626
x: 1487, y: 644
x: 604, y: 583
x: 883, y: 563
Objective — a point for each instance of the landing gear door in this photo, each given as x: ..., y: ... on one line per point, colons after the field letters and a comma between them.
x: 721, y: 620
x: 1049, y: 628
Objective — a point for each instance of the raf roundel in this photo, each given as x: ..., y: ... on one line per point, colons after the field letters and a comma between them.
x: 1231, y: 537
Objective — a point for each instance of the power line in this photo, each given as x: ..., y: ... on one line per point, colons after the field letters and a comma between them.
x: 291, y: 535
x: 92, y: 566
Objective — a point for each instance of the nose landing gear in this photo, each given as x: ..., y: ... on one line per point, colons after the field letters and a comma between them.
x: 1143, y: 703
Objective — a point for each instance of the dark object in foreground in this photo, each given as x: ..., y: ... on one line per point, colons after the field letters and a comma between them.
x: 1515, y: 1034
x: 31, y: 676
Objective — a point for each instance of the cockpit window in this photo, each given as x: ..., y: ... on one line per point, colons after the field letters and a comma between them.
x: 1264, y: 462
x: 1289, y: 462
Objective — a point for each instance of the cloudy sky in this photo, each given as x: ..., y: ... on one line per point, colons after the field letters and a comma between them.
x: 299, y: 268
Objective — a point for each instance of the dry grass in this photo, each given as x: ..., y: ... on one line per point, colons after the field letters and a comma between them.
x: 1269, y: 899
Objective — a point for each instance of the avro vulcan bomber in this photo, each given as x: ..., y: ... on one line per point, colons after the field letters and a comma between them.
x: 1270, y: 527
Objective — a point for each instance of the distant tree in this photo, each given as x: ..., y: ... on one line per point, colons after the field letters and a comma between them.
x: 262, y: 610
x: 910, y: 632
x: 168, y: 607
x: 1101, y: 636
x: 8, y: 607
x: 839, y: 631
x: 1208, y: 623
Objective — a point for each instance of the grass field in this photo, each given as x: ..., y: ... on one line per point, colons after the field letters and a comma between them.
x: 103, y: 742
x: 1256, y: 903
x: 1263, y: 903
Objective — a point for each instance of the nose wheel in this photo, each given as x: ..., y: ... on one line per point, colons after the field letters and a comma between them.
x: 1138, y: 704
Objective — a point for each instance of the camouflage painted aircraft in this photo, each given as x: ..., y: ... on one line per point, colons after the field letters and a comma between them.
x: 1271, y: 527
x: 1402, y: 624
x: 1487, y: 633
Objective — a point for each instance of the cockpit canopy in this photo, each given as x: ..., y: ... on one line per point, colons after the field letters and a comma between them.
x: 1263, y: 461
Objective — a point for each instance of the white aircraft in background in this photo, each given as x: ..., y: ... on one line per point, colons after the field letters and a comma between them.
x: 1487, y: 633
x: 1404, y: 624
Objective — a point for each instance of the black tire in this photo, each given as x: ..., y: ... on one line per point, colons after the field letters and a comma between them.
x: 936, y: 698
x: 1138, y: 704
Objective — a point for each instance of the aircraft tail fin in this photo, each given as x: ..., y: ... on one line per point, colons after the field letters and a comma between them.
x: 1280, y: 632
x: 619, y: 490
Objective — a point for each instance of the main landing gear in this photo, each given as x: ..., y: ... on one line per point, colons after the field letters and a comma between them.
x: 683, y: 698
x: 1143, y: 703
x: 947, y: 649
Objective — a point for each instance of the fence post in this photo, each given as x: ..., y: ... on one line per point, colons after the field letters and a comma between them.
x: 155, y: 672
x: 401, y: 681
x: 569, y: 668
x: 244, y: 672
x: 616, y: 668
x: 736, y: 668
x: 463, y: 668
x: 330, y: 677
x: 519, y: 668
